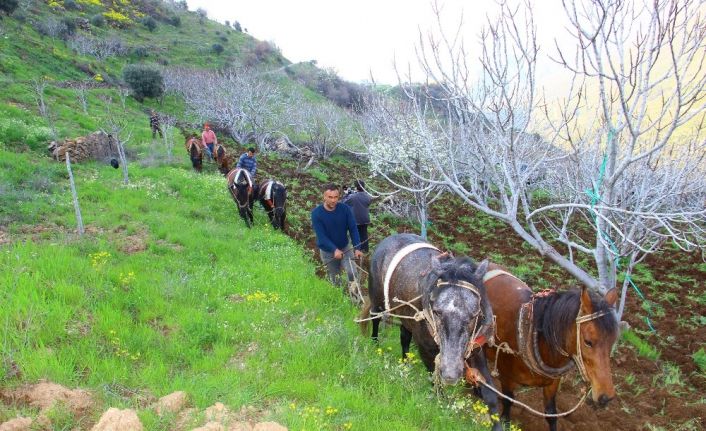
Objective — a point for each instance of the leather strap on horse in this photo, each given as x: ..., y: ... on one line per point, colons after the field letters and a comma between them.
x: 527, y: 340
x: 396, y: 259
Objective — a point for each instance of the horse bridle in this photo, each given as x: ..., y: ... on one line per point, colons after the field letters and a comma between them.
x: 241, y: 206
x: 431, y: 320
x: 578, y: 357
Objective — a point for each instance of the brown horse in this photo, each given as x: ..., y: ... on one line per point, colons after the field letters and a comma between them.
x: 541, y: 337
x: 193, y: 147
x: 240, y: 186
x: 273, y: 198
x: 220, y: 156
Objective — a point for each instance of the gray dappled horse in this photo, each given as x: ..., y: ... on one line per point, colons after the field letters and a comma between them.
x: 449, y: 294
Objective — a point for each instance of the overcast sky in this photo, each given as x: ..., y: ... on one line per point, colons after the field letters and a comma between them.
x: 358, y: 37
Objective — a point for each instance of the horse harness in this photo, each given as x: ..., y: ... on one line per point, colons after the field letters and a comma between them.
x: 268, y: 196
x: 425, y: 313
x: 527, y: 339
x: 238, y: 173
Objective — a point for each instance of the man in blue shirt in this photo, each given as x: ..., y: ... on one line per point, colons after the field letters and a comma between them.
x: 333, y: 224
x: 247, y: 161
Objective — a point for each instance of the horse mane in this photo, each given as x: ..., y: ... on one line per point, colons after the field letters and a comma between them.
x: 451, y: 269
x: 555, y: 315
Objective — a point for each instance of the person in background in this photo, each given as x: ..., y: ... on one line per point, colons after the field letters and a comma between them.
x: 333, y: 225
x: 359, y: 201
x: 155, y: 124
x: 208, y: 139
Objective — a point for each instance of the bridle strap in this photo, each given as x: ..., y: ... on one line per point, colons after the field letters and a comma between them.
x: 578, y: 357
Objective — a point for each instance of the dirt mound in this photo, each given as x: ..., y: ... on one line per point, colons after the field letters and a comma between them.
x: 44, y: 395
x: 80, y: 403
x: 118, y: 420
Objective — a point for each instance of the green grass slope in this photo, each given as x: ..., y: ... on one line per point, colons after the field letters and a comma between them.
x: 169, y: 291
x: 31, y: 55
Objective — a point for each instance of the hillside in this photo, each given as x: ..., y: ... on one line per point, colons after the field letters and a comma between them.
x: 168, y: 291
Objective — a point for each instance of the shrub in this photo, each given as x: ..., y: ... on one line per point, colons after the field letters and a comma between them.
x: 117, y: 19
x: 51, y: 27
x: 236, y: 27
x: 223, y: 39
x: 150, y: 23
x: 70, y: 25
x: 174, y: 20
x: 70, y: 5
x: 141, y: 52
x: 202, y: 14
x: 144, y: 81
x: 98, y: 20
x: 217, y: 48
x: 8, y: 6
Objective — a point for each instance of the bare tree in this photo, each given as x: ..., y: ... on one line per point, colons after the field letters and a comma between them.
x: 40, y: 85
x: 123, y: 93
x: 82, y: 96
x: 118, y: 135
x: 639, y: 170
x: 98, y: 48
x: 325, y: 126
x: 248, y: 105
x: 168, y: 131
x: 625, y: 171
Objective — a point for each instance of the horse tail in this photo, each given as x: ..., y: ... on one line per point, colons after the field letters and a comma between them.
x: 365, y: 315
x: 220, y: 153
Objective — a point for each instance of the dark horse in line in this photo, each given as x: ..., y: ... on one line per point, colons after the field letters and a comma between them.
x: 240, y: 186
x: 220, y: 156
x: 193, y: 147
x: 548, y: 335
x: 273, y: 198
x: 441, y: 302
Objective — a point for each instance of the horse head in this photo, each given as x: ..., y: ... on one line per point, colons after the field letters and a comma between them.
x: 458, y: 305
x: 596, y: 332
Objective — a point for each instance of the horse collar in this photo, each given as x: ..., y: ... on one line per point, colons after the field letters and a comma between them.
x: 528, y: 344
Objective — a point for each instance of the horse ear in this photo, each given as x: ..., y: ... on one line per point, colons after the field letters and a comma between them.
x: 482, y: 269
x: 611, y: 297
x: 586, y: 304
